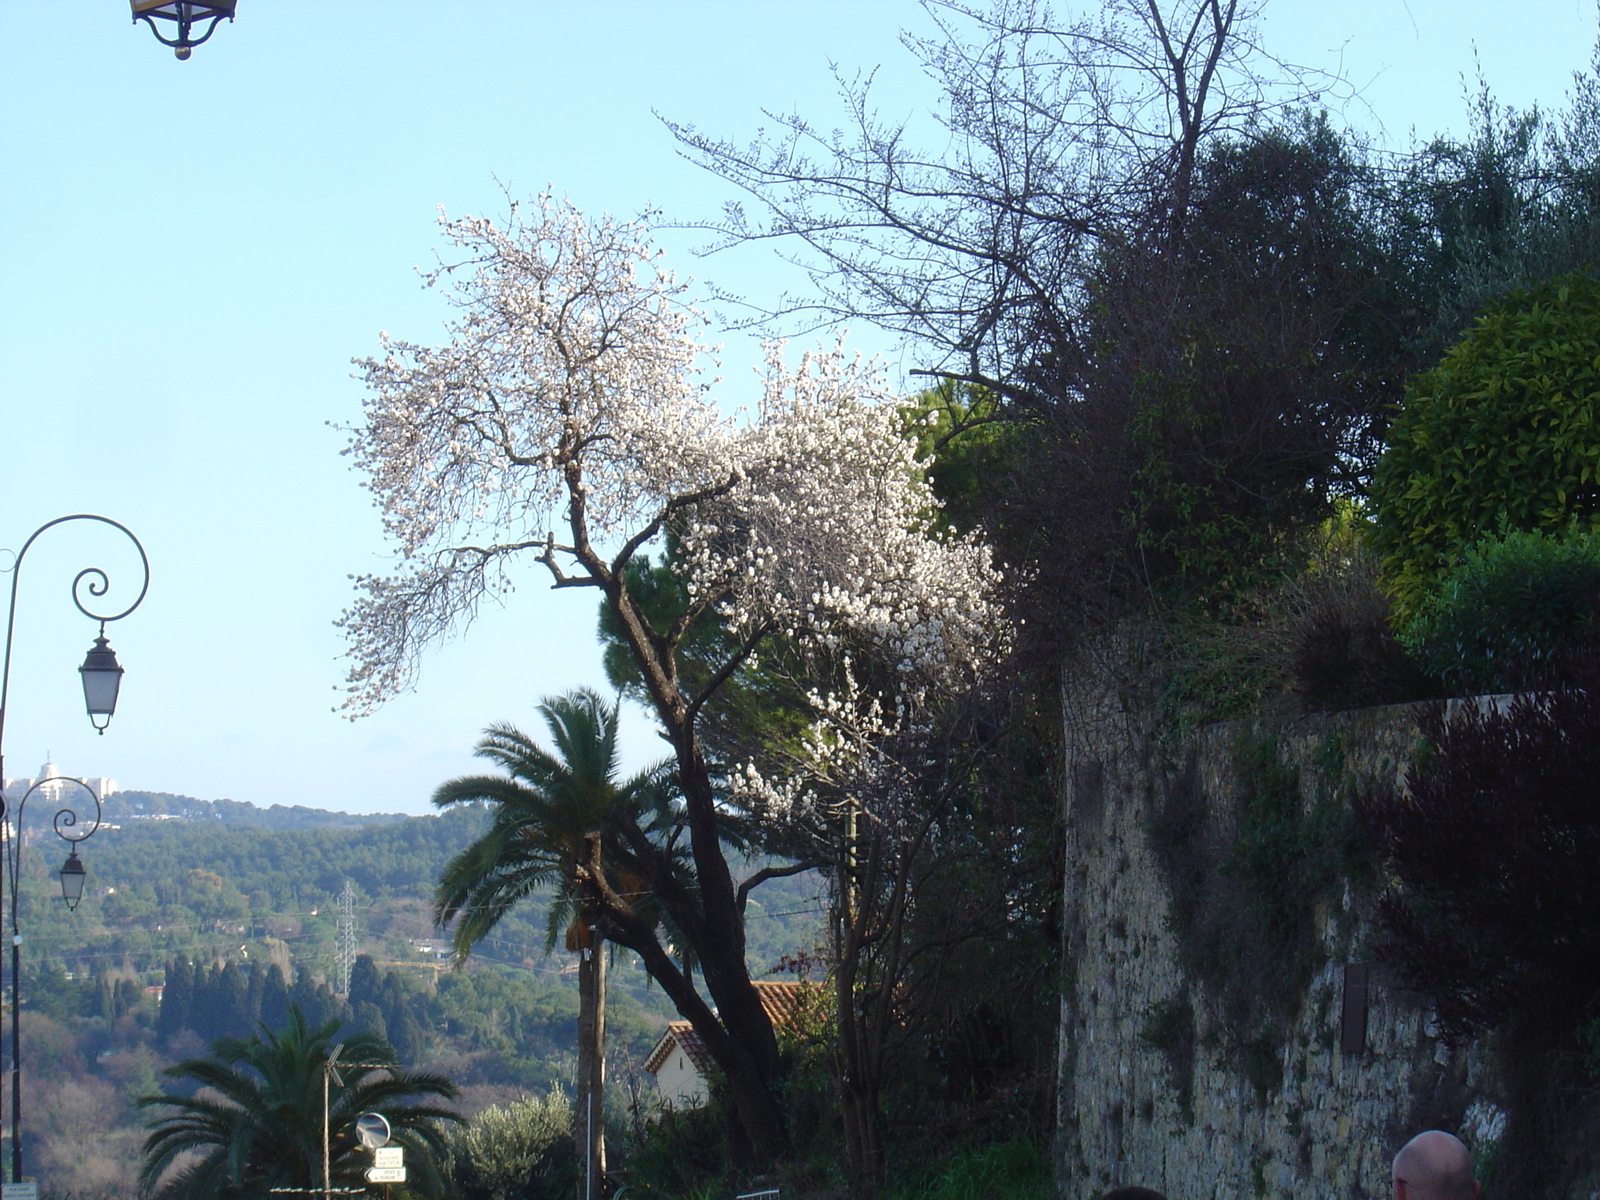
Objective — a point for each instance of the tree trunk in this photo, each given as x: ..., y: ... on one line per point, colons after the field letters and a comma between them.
x: 856, y: 1066
x: 739, y: 1038
x: 755, y: 1106
x: 588, y: 1125
x: 858, y: 1085
x: 727, y: 977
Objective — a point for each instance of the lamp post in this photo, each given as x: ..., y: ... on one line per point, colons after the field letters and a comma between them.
x: 101, y: 675
x: 181, y: 16
x: 72, y: 877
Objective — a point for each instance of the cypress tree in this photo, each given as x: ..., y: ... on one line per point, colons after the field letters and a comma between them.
x: 365, y: 982
x: 407, y: 1037
x: 203, y: 1005
x: 176, y: 998
x: 253, y: 994
x: 230, y: 994
x: 367, y: 1018
x: 274, y: 1010
x: 127, y: 996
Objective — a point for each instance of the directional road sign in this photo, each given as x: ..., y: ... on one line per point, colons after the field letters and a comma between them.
x: 386, y: 1174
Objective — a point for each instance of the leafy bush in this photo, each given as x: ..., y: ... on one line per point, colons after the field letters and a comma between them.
x: 1493, y: 842
x: 1317, y: 639
x: 1342, y: 649
x: 680, y: 1152
x: 1014, y: 1170
x: 520, y: 1152
x: 1504, y: 434
x: 1495, y: 909
x: 1506, y: 609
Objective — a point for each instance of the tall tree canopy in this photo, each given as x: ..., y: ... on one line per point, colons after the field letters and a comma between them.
x: 565, y: 397
x: 1133, y: 239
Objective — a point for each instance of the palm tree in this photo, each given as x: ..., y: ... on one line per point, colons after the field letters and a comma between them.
x: 549, y: 817
x: 248, y: 1120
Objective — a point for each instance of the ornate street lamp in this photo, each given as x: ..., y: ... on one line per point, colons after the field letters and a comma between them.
x: 181, y: 16
x: 72, y: 875
x: 101, y: 675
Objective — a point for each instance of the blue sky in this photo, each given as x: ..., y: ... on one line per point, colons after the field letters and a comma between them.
x: 191, y: 253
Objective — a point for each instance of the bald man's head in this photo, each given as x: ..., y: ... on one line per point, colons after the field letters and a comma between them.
x: 1434, y: 1166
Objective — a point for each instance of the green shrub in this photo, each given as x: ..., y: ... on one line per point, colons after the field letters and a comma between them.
x: 1016, y: 1170
x: 679, y: 1153
x: 521, y: 1152
x: 1507, y: 608
x: 1504, y: 434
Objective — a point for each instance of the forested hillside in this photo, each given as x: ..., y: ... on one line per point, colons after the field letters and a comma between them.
x: 166, y: 806
x: 218, y: 916
x: 234, y: 887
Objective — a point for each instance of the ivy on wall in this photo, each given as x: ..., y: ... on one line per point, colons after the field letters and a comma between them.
x: 1246, y: 878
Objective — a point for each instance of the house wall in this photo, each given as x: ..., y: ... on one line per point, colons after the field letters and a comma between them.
x: 678, y: 1083
x: 1337, y: 1119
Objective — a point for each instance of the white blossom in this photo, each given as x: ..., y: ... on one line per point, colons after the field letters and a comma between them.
x: 565, y: 400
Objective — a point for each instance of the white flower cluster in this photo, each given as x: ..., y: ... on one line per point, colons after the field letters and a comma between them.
x: 569, y: 370
x: 859, y: 753
x: 828, y: 528
x: 565, y: 399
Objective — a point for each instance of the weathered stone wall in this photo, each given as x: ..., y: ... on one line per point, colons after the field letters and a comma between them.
x: 1332, y: 1126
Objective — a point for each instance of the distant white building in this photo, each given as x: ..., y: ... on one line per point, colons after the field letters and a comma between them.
x: 681, y: 1063
x: 15, y: 789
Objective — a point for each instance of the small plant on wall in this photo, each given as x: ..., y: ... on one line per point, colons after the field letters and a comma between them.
x: 1245, y: 880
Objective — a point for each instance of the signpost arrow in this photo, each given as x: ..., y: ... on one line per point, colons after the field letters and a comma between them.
x: 386, y: 1174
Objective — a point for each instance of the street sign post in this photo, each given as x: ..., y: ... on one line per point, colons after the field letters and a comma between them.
x: 386, y: 1174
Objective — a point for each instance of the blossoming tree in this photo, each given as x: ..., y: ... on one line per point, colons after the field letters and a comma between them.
x: 562, y: 423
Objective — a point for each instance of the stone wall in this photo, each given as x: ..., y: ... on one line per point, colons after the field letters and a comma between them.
x: 1335, y: 1120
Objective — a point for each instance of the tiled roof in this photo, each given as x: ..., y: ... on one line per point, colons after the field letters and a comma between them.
x: 780, y: 1000
x: 680, y: 1035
